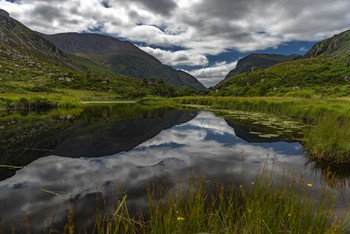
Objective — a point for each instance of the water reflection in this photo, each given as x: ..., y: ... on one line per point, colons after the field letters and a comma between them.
x: 205, y: 145
x: 95, y: 132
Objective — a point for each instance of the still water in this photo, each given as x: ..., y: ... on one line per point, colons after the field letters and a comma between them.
x: 69, y: 159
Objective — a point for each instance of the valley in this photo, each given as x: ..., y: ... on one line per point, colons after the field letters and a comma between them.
x: 99, y: 136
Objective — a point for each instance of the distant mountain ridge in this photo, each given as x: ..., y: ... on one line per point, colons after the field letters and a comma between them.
x: 252, y: 61
x: 121, y: 57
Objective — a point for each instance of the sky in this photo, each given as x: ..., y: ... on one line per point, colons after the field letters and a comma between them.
x: 203, y: 37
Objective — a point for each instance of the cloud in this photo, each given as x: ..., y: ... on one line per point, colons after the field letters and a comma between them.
x: 163, y: 7
x: 177, y: 58
x: 303, y: 49
x: 210, y: 76
x: 105, y: 3
x: 14, y: 1
x: 213, y: 26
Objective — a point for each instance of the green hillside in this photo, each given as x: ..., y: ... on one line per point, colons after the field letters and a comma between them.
x: 324, y: 75
x: 254, y: 61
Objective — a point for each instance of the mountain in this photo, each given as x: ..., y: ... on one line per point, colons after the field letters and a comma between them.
x: 121, y: 57
x: 323, y: 71
x: 252, y: 61
x: 336, y: 45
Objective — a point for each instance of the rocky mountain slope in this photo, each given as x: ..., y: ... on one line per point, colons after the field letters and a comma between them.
x: 336, y: 45
x: 121, y: 57
x: 20, y: 40
x: 252, y: 61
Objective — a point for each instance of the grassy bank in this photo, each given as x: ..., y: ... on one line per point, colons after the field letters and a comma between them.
x: 327, y: 140
x: 256, y: 207
x: 37, y: 101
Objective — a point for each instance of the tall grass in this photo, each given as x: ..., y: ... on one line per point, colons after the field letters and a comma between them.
x: 257, y: 207
x: 330, y: 140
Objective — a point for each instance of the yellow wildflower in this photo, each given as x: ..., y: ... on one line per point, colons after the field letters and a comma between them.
x: 180, y: 218
x: 309, y: 185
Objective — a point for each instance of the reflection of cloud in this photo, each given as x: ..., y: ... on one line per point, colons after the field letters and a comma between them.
x: 175, y: 136
x: 207, y: 120
x: 214, y: 158
x: 193, y: 131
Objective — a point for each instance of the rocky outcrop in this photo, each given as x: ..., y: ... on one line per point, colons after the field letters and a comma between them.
x: 338, y: 44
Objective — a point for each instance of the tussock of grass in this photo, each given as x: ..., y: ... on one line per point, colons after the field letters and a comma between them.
x: 329, y: 140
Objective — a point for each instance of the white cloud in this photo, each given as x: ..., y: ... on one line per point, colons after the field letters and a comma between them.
x: 177, y: 58
x: 210, y: 76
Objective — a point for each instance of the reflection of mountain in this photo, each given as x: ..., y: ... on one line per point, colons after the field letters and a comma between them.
x: 112, y: 137
x: 98, y: 131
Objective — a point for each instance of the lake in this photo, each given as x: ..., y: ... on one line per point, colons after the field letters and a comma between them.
x: 88, y: 159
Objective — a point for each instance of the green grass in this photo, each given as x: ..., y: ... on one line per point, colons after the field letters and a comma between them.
x: 329, y: 140
x: 256, y: 207
x: 37, y: 101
